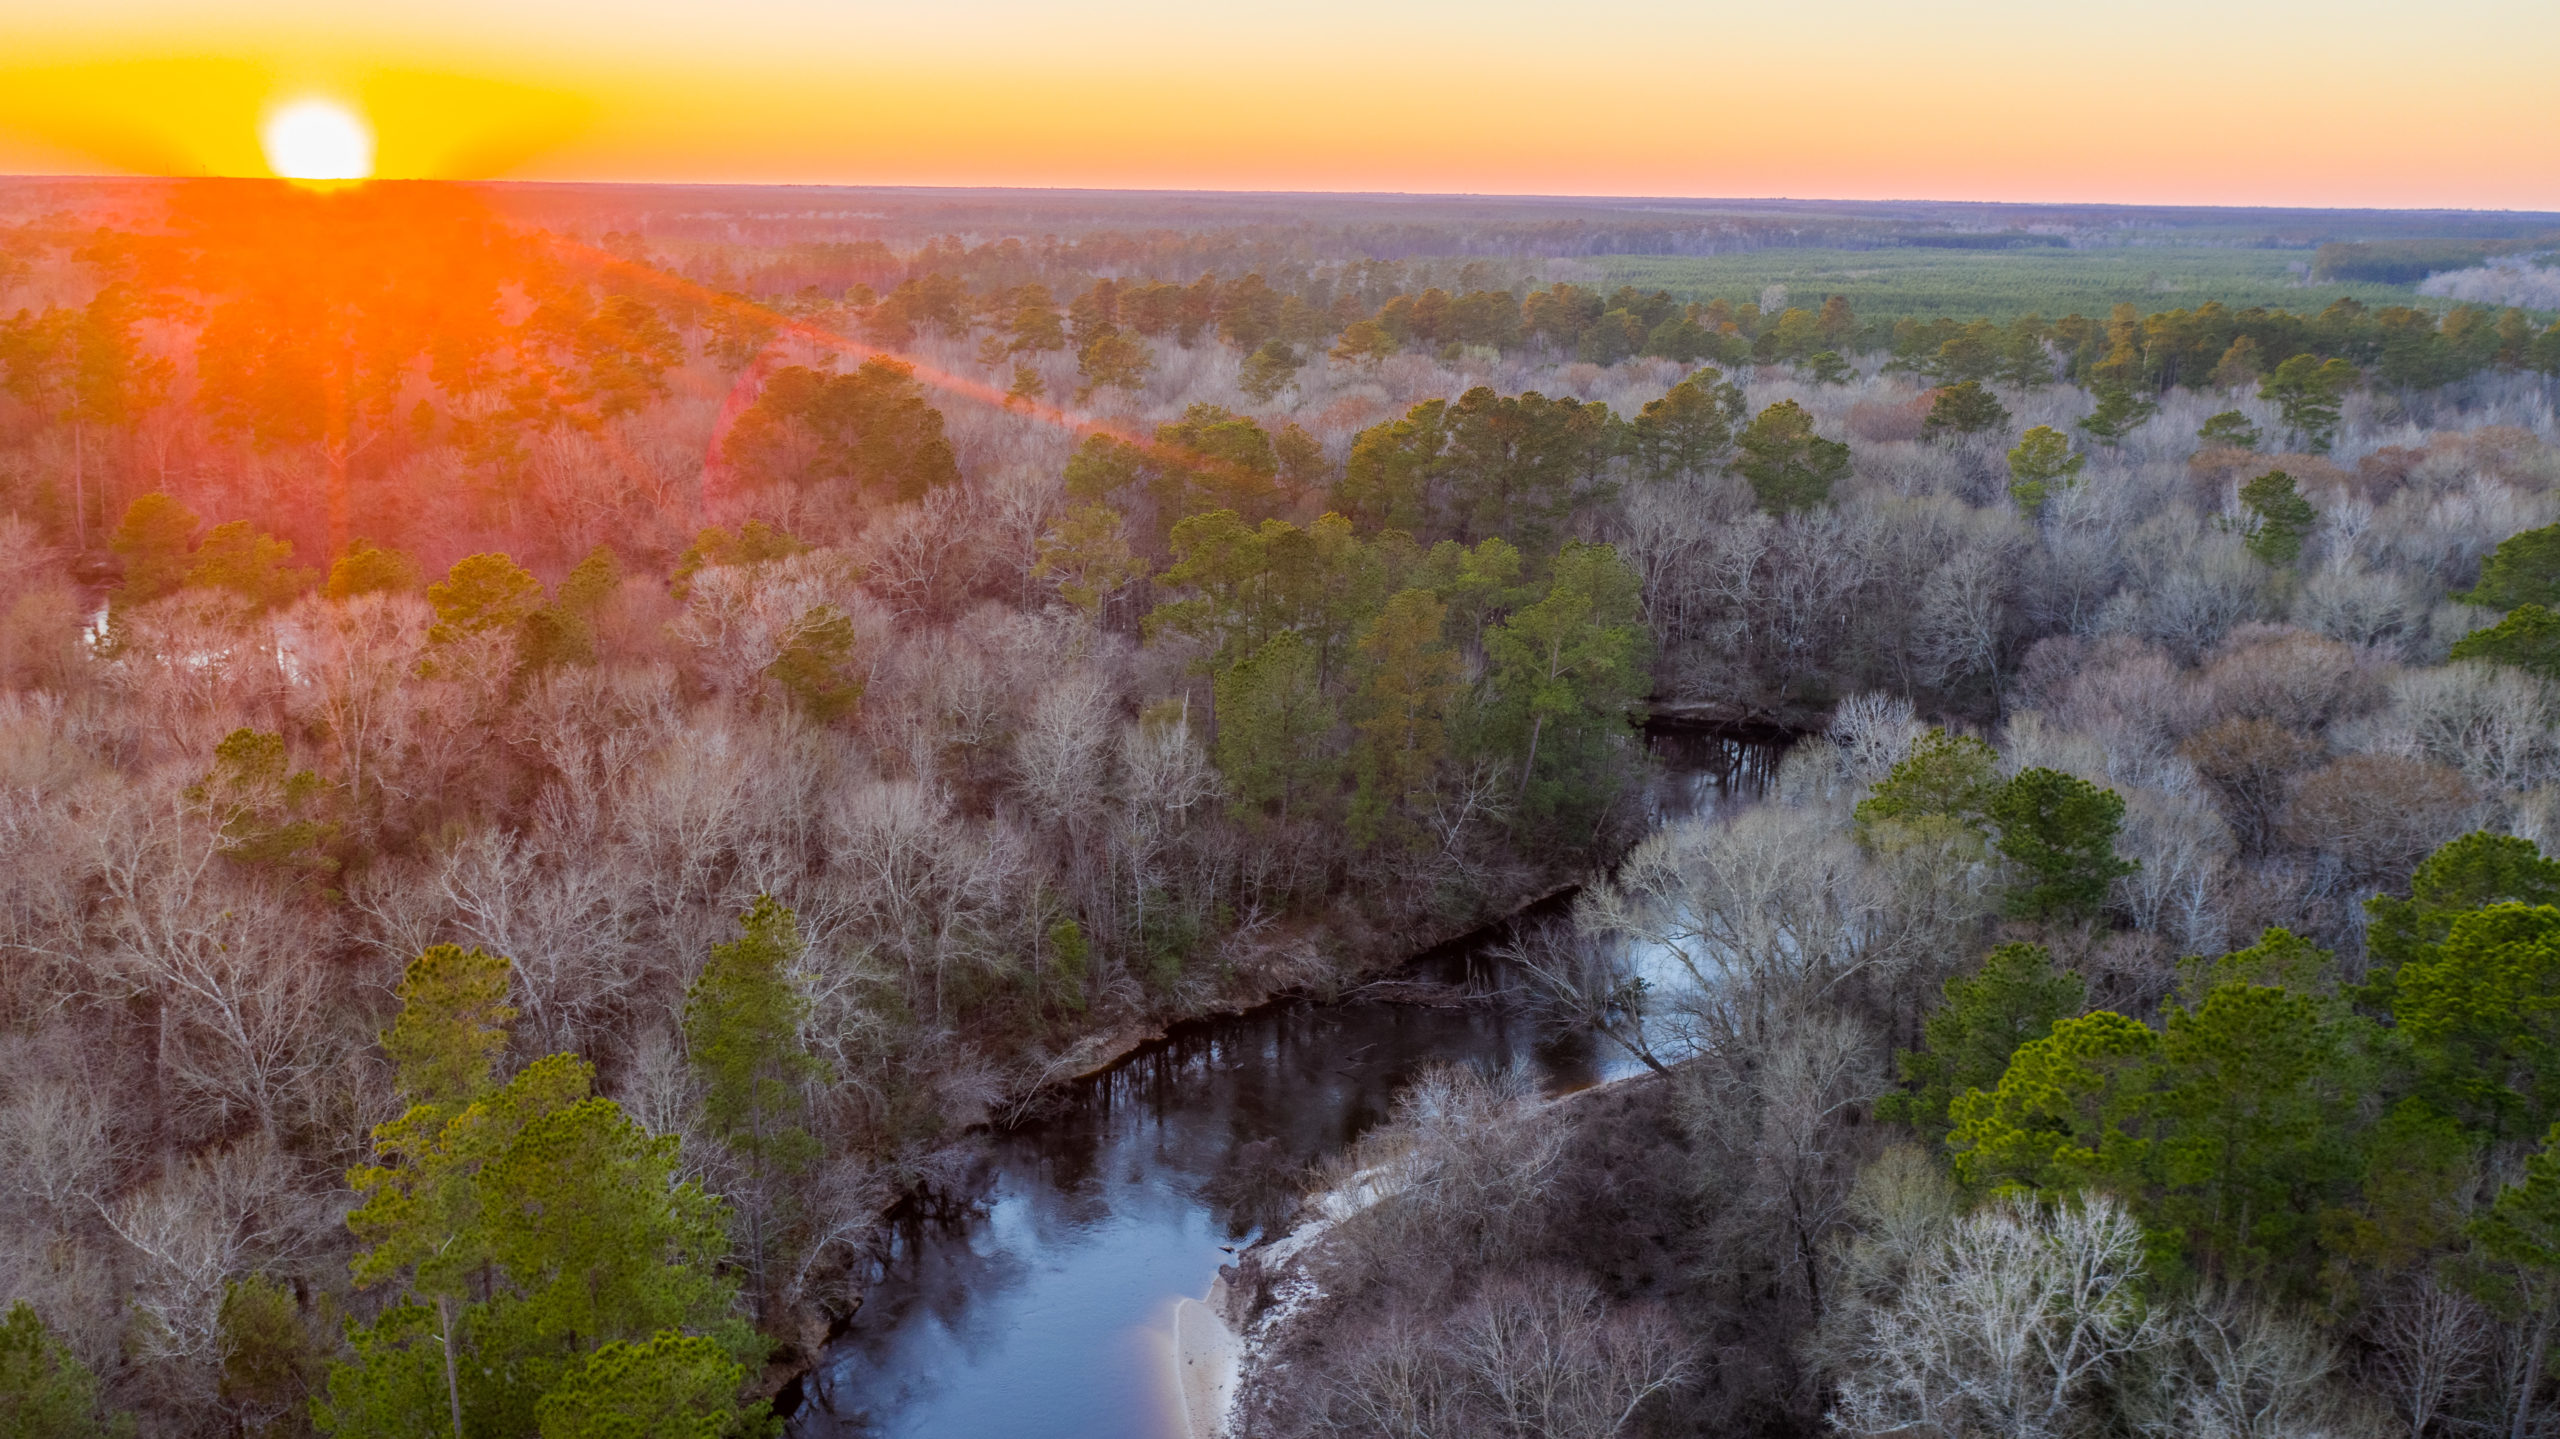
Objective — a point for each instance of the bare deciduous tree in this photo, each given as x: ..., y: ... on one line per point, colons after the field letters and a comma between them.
x: 2379, y: 814
x: 2430, y: 1348
x: 1542, y: 1359
x: 2490, y: 722
x: 1780, y: 1129
x: 2010, y: 1324
x: 207, y: 1220
x: 1962, y: 620
x: 241, y: 1004
x: 1740, y: 923
x: 2241, y: 1371
x: 925, y: 884
x: 353, y: 657
x: 561, y: 917
x: 59, y: 1150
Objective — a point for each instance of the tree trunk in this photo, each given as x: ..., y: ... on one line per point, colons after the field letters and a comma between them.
x: 340, y: 504
x: 1806, y: 1253
x: 452, y: 1383
x: 761, y: 1194
x: 1632, y: 1043
x: 2532, y: 1373
x: 162, y: 1137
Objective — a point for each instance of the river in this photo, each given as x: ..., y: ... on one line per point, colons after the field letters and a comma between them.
x: 1045, y: 1312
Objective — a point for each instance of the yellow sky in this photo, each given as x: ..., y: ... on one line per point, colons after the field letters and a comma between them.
x: 2341, y: 102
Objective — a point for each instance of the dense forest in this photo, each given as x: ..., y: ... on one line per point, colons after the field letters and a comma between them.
x: 554, y: 771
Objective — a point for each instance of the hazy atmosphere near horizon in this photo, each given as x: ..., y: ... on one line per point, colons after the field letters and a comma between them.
x: 2269, y: 102
x: 1144, y: 720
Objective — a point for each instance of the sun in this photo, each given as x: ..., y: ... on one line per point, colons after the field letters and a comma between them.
x: 317, y: 141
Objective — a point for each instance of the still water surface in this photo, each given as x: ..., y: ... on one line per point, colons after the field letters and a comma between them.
x: 1047, y: 1313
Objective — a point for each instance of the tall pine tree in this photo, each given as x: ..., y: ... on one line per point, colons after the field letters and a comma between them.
x: 743, y: 1027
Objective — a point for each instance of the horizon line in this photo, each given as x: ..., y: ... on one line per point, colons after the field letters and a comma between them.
x: 1097, y: 191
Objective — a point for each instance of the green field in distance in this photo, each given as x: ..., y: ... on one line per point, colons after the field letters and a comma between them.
x: 1923, y: 283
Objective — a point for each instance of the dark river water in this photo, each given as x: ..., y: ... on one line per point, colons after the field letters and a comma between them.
x: 1046, y: 1312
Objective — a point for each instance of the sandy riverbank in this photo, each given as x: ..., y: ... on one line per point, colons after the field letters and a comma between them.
x: 1206, y: 1355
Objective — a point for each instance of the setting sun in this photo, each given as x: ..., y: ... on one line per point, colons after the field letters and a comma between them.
x: 1355, y: 719
x: 317, y: 140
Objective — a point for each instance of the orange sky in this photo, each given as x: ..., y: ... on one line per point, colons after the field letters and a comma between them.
x: 2286, y: 102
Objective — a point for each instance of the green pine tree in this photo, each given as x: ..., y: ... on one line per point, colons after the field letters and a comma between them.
x: 1690, y: 429
x: 2229, y: 430
x: 2254, y: 1129
x: 2119, y: 413
x: 754, y: 543
x: 2234, y: 1132
x: 1568, y: 672
x: 2310, y: 394
x: 744, y: 1022
x: 2523, y: 570
x: 1828, y: 367
x: 1947, y: 781
x: 245, y: 561
x: 268, y: 813
x: 2057, y: 1120
x: 1964, y: 409
x: 270, y: 1360
x: 2281, y: 517
x: 1789, y: 466
x: 482, y: 594
x: 2479, y: 1012
x: 1269, y: 369
x: 2060, y: 830
x: 2522, y: 1232
x: 45, y: 1391
x: 1409, y: 677
x: 2015, y: 998
x: 563, y: 632
x: 155, y: 541
x: 815, y: 669
x: 365, y: 569
x: 2527, y: 639
x: 2470, y: 873
x: 452, y: 1027
x: 530, y: 1228
x: 1274, y: 719
x: 2039, y: 464
x: 673, y: 1386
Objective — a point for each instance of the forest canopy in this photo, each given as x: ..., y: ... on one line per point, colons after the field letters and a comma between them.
x: 563, y: 758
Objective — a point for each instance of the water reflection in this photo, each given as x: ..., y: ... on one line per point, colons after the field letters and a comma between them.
x: 1700, y: 772
x: 1046, y: 1314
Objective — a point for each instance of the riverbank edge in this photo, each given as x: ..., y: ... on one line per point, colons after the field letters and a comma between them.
x: 1372, y: 955
x: 1208, y: 1363
x: 811, y: 1328
x: 1136, y: 1040
x: 1782, y: 726
x: 1217, y: 1355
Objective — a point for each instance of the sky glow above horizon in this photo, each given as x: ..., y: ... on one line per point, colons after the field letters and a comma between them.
x: 2249, y: 102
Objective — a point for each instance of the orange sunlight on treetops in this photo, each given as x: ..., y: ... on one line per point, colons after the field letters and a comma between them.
x: 325, y: 300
